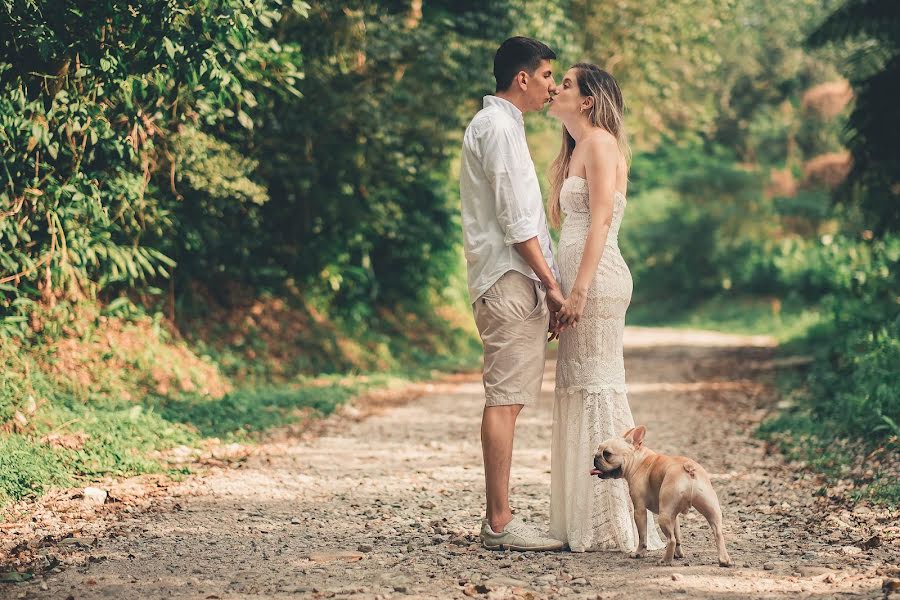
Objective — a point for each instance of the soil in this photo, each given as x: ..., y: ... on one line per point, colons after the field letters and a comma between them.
x: 385, y: 500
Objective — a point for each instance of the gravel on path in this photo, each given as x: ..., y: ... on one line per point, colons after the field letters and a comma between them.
x: 388, y: 506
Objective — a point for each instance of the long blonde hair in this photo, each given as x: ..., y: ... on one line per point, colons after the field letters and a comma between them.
x: 607, y: 112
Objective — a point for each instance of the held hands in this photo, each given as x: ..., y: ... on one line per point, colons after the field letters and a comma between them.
x: 555, y: 302
x: 553, y: 329
x: 571, y: 311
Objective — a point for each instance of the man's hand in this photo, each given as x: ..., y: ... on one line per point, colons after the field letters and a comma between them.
x: 551, y: 329
x: 555, y: 300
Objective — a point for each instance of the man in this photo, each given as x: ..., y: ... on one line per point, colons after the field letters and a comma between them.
x: 511, y: 276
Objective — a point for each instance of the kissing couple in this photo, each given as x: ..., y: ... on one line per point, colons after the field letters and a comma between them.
x: 520, y: 293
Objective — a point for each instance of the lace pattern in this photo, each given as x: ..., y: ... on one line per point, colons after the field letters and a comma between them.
x: 591, y: 402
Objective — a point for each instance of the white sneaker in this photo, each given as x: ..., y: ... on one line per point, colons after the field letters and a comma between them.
x: 517, y: 536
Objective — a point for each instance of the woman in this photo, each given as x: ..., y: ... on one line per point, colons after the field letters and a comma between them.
x: 589, y: 181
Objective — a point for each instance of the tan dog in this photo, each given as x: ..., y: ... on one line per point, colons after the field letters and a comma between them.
x: 666, y: 485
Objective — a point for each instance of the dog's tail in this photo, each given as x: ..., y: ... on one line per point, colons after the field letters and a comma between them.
x: 691, y: 468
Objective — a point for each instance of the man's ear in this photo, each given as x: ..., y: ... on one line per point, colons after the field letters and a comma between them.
x: 522, y: 80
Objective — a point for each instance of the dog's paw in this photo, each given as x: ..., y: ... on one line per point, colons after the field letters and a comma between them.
x: 726, y: 563
x: 664, y: 563
x: 637, y: 554
x: 679, y: 553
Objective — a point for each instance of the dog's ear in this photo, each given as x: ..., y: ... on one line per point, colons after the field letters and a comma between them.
x: 637, y: 436
x: 627, y: 435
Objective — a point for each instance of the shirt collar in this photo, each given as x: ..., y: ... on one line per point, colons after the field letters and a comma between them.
x: 505, y: 105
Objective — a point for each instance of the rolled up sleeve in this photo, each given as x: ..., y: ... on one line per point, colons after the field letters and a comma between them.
x: 507, y: 164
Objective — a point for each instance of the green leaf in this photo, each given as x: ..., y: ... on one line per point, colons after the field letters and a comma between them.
x: 891, y: 423
x: 117, y: 304
x: 169, y: 46
x: 245, y: 119
x: 163, y: 258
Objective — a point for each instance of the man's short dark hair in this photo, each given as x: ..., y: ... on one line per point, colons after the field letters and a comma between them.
x: 518, y: 54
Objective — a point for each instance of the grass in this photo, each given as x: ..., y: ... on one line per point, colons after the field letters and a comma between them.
x: 115, y: 401
x: 831, y: 421
x: 243, y: 413
x: 745, y: 315
x: 25, y: 468
x: 72, y: 442
x: 860, y: 469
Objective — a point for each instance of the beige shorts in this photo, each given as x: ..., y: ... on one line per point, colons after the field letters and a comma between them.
x: 512, y: 319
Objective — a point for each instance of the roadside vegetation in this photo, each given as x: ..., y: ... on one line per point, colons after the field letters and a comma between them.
x: 221, y: 217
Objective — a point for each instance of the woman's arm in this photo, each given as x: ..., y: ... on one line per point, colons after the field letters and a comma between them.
x: 601, y: 160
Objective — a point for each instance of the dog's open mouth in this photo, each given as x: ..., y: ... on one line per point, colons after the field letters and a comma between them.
x: 613, y: 474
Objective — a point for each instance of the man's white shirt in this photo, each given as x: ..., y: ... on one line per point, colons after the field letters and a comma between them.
x: 500, y: 197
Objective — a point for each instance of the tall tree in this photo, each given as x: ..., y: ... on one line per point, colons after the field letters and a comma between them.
x: 874, y: 71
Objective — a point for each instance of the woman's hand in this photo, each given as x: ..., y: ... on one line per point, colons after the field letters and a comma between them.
x: 572, y: 309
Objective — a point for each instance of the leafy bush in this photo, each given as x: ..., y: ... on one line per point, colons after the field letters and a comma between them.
x: 845, y: 416
x: 91, y: 96
x: 696, y: 230
x: 853, y: 383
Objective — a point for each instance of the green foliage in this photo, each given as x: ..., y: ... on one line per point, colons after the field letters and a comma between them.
x: 701, y: 233
x: 864, y: 465
x: 847, y: 403
x: 248, y: 411
x: 26, y: 468
x: 90, y: 98
x: 171, y: 136
x: 874, y: 71
x: 735, y: 313
x: 703, y: 70
x: 763, y: 72
x: 854, y: 384
x: 663, y: 55
x: 362, y: 212
x: 122, y: 421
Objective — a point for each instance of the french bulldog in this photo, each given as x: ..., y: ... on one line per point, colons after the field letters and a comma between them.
x: 666, y: 485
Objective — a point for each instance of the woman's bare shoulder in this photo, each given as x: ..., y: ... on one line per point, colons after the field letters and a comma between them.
x: 602, y: 148
x: 601, y: 139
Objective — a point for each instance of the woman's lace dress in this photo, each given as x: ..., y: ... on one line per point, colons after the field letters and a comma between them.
x: 591, y: 402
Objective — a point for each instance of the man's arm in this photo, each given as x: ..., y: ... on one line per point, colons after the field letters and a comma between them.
x: 505, y: 159
x: 530, y: 250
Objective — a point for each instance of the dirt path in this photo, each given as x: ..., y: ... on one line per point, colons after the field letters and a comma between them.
x: 389, y: 506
